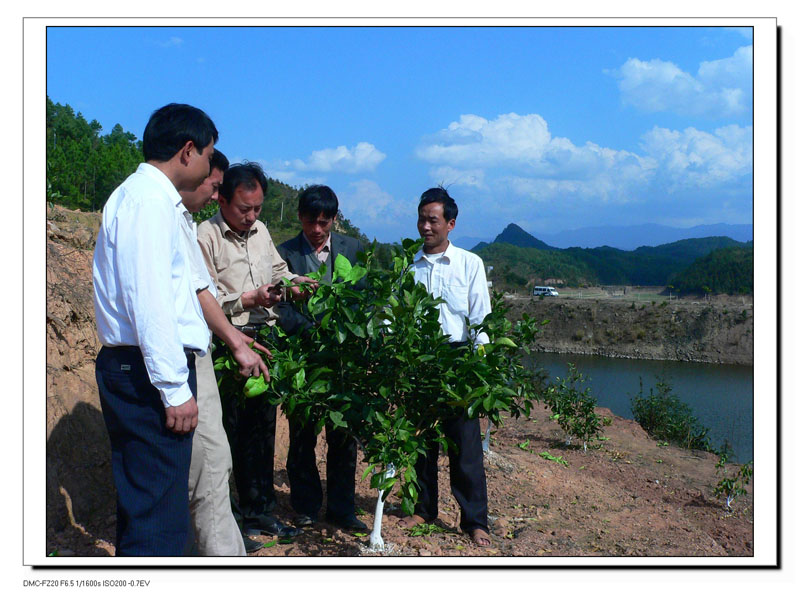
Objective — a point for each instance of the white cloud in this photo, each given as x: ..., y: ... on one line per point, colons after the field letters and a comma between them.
x: 171, y: 42
x: 721, y: 88
x: 505, y: 168
x: 362, y: 157
x: 693, y: 158
x: 364, y: 201
x: 474, y: 140
x: 522, y: 146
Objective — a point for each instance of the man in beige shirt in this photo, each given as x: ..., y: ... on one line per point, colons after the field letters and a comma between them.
x: 245, y: 265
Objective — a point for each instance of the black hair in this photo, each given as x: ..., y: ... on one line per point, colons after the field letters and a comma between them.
x: 171, y: 126
x: 219, y: 161
x: 439, y: 194
x: 242, y: 174
x: 318, y: 199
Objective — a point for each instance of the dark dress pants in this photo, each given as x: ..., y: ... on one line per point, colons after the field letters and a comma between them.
x: 150, y: 463
x: 301, y: 467
x: 250, y: 427
x: 467, y: 476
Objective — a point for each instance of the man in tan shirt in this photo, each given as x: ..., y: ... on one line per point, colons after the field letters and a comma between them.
x: 245, y: 265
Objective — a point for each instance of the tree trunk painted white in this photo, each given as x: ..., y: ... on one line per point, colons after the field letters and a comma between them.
x: 375, y: 540
x: 486, y: 437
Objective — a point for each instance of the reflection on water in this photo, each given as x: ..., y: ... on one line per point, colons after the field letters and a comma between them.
x: 720, y: 396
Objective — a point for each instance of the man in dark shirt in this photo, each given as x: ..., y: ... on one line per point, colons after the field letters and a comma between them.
x: 314, y: 246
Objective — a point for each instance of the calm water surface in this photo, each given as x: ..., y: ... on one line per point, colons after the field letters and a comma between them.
x: 720, y: 396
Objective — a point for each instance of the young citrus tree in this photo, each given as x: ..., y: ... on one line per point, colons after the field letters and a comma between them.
x: 377, y: 364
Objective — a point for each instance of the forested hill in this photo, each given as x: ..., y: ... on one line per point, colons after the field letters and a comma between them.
x: 84, y: 167
x: 515, y: 267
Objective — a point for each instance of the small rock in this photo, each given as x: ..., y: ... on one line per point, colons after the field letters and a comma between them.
x: 424, y: 553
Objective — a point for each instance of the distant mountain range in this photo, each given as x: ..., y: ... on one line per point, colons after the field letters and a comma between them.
x: 529, y: 261
x: 621, y: 237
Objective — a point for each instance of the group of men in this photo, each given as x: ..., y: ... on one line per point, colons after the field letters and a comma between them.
x: 164, y: 289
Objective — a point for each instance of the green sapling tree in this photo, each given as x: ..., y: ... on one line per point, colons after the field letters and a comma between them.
x: 377, y: 364
x: 732, y: 486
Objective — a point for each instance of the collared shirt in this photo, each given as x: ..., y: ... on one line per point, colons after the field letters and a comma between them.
x: 143, y: 282
x: 240, y: 263
x: 322, y: 253
x: 458, y: 277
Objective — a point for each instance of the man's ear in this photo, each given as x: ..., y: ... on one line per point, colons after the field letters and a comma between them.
x: 186, y: 152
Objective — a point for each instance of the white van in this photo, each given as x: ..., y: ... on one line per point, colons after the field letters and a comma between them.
x: 544, y: 291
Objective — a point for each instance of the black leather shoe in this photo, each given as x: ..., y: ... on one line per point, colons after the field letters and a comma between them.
x: 274, y: 528
x: 301, y: 521
x: 350, y: 522
x: 250, y: 545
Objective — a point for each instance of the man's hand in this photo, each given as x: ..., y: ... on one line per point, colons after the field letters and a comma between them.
x: 301, y: 279
x: 267, y: 295
x: 255, y: 345
x: 183, y: 418
x: 250, y: 364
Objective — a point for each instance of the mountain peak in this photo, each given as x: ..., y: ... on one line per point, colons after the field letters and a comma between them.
x: 514, y: 234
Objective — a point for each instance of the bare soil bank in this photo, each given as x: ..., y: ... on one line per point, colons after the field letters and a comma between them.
x: 627, y: 497
x: 719, y: 330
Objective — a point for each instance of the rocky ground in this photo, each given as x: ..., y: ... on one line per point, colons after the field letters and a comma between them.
x: 627, y: 496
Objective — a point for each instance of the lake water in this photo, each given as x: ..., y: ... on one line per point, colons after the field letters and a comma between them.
x: 720, y: 396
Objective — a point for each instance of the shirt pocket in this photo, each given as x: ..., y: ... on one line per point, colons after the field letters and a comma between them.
x: 456, y: 298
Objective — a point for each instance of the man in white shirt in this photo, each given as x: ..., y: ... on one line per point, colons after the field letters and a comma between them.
x: 458, y: 277
x: 150, y: 324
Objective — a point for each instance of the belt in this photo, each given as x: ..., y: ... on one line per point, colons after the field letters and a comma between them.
x: 124, y: 348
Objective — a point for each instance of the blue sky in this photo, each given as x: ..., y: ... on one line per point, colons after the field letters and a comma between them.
x: 552, y: 128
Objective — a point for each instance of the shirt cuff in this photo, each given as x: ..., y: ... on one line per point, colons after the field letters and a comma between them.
x: 175, y: 395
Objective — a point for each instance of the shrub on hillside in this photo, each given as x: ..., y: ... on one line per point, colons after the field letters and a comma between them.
x: 665, y: 417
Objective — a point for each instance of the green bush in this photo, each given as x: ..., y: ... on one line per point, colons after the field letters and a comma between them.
x: 665, y: 417
x: 573, y: 409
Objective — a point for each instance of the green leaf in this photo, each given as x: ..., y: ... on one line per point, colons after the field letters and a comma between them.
x: 337, y: 419
x: 342, y: 267
x: 356, y: 273
x: 300, y: 379
x: 357, y: 329
x: 503, y: 341
x: 255, y: 387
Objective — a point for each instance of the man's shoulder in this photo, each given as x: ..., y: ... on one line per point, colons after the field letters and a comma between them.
x: 293, y: 243
x: 467, y: 256
x: 210, y: 227
x: 346, y: 240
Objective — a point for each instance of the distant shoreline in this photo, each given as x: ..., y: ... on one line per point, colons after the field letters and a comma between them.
x: 718, y: 330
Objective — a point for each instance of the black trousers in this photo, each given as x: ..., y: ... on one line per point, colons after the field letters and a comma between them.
x: 150, y: 463
x: 301, y: 466
x: 250, y: 427
x: 467, y: 476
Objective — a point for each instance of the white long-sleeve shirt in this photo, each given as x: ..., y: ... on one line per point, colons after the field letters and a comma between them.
x: 144, y: 286
x: 458, y: 277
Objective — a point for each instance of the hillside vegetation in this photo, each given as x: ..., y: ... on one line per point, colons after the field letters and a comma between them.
x: 515, y: 267
x: 724, y: 271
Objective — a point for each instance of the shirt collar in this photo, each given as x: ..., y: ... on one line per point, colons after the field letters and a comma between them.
x: 225, y: 228
x: 162, y: 180
x: 447, y: 255
x: 326, y: 247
